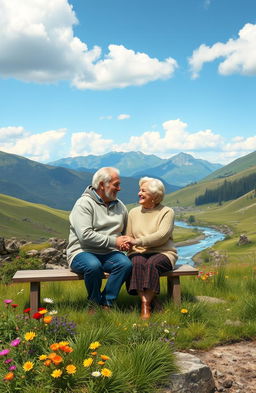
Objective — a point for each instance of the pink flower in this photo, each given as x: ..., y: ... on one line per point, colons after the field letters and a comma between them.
x: 7, y: 361
x: 12, y: 368
x: 15, y: 342
x: 7, y: 301
x: 4, y: 352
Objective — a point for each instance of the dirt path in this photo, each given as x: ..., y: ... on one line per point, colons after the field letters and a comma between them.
x: 233, y: 366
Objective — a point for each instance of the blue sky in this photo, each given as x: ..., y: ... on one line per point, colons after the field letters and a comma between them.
x: 81, y: 77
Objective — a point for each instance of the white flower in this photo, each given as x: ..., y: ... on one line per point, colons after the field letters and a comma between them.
x: 166, y: 331
x: 134, y: 325
x: 96, y: 374
x: 48, y: 300
x: 53, y: 312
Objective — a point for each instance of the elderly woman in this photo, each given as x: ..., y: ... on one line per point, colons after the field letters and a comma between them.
x: 149, y: 233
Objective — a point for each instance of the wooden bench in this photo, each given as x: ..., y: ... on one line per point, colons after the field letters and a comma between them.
x: 35, y: 277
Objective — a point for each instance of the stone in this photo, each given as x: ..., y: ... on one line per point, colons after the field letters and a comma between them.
x: 243, y: 239
x: 194, y: 376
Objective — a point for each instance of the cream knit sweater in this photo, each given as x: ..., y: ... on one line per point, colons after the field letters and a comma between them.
x: 152, y: 230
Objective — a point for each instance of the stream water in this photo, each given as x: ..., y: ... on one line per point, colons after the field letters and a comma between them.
x: 186, y: 253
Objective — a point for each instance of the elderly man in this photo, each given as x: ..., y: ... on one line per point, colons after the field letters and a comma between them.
x: 97, y: 223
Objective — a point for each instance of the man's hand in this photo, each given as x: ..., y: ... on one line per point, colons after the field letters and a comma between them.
x: 124, y: 243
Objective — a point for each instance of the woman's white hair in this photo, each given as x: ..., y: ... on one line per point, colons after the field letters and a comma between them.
x: 104, y: 175
x: 155, y: 187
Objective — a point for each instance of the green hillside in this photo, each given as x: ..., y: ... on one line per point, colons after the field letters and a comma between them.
x: 234, y: 167
x: 186, y: 196
x: 26, y: 220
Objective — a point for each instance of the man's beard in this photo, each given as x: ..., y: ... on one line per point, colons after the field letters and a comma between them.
x: 110, y: 195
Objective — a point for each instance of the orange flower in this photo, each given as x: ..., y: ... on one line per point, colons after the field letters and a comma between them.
x: 71, y: 369
x: 184, y: 311
x: 94, y: 353
x: 66, y: 349
x: 9, y: 376
x: 101, y: 363
x: 54, y: 347
x: 52, y: 355
x: 47, y: 319
x: 47, y: 362
x: 27, y: 366
x: 57, y: 360
x: 104, y: 357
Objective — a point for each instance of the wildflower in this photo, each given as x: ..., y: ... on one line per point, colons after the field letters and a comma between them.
x: 14, y: 305
x: 106, y: 372
x: 27, y: 366
x: 54, y: 347
x: 12, y: 368
x: 66, y: 349
x: 7, y: 361
x: 47, y: 362
x: 53, y: 312
x: 42, y: 311
x: 94, y: 353
x: 56, y: 373
x: 57, y: 360
x: 4, y: 352
x: 37, y: 315
x: 71, y: 369
x: 48, y: 300
x: 184, y: 311
x: 7, y: 301
x: 15, y: 342
x: 27, y: 310
x: 88, y: 362
x: 29, y: 336
x: 104, y: 357
x: 42, y: 357
x: 47, y: 319
x: 52, y: 355
x: 63, y: 343
x: 96, y: 374
x: 9, y: 376
x: 94, y: 345
x: 166, y: 331
x: 101, y: 363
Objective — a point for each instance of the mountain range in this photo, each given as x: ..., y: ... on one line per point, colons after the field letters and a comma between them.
x: 178, y: 170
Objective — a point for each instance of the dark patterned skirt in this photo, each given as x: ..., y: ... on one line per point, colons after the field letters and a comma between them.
x: 146, y: 269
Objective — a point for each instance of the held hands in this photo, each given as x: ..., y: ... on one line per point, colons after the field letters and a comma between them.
x: 125, y: 243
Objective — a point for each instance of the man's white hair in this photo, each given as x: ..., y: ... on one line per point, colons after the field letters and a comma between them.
x: 104, y: 175
x: 155, y: 187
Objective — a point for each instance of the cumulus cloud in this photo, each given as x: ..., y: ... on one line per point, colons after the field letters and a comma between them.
x: 239, y: 54
x: 123, y: 116
x: 37, y: 44
x: 84, y: 143
x: 38, y: 147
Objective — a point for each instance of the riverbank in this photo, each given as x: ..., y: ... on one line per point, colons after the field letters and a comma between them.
x: 189, y: 242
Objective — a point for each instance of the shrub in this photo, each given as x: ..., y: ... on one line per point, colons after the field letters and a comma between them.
x: 20, y: 262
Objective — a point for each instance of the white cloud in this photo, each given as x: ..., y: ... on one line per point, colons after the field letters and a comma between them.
x: 84, y: 143
x: 37, y: 44
x: 239, y: 54
x: 38, y: 147
x: 109, y: 117
x: 123, y: 116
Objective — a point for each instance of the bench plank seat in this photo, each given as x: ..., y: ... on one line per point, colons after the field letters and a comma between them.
x: 35, y: 277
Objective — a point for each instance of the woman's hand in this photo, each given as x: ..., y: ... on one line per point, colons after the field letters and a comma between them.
x: 125, y: 243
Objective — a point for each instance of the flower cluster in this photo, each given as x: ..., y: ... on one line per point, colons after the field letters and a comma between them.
x: 96, y: 362
x: 205, y: 276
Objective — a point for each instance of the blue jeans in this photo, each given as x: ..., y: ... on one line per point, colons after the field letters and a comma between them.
x: 92, y: 266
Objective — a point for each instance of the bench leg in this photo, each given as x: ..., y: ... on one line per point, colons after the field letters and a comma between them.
x: 34, y: 297
x: 173, y: 288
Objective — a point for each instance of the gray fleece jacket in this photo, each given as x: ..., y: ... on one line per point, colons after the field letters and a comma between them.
x: 94, y: 226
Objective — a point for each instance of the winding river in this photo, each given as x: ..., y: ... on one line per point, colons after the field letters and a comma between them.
x: 186, y: 253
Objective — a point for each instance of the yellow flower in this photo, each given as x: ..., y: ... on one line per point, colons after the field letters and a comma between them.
x: 104, y: 357
x: 71, y: 369
x: 63, y: 343
x: 29, y: 336
x: 106, y: 372
x: 88, y: 362
x: 42, y: 357
x: 47, y: 319
x: 42, y: 312
x: 94, y: 345
x: 56, y: 373
x: 184, y: 311
x: 28, y: 366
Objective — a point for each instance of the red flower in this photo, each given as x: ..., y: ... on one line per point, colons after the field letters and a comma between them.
x: 41, y: 308
x: 14, y: 305
x: 27, y: 310
x: 37, y: 315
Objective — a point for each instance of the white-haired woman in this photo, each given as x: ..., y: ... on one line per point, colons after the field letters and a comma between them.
x: 149, y: 232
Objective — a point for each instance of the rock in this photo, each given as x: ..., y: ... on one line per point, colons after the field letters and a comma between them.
x: 228, y: 383
x: 32, y: 253
x: 243, y: 239
x: 194, y: 376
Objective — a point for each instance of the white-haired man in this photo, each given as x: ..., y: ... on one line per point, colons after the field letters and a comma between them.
x: 97, y: 224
